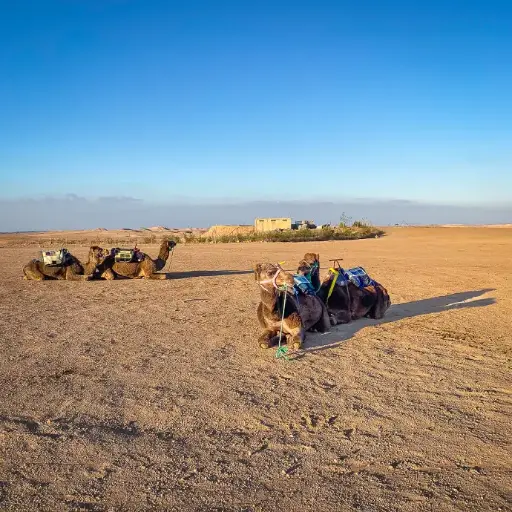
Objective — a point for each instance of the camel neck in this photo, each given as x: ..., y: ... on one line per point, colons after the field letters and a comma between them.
x: 269, y: 297
x: 90, y: 265
x: 163, y: 255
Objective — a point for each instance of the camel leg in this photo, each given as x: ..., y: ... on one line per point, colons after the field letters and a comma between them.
x: 339, y: 317
x: 108, y: 275
x: 296, y: 339
x: 157, y: 276
x: 71, y: 276
x: 265, y: 340
x: 32, y: 273
x: 294, y: 331
x: 324, y: 324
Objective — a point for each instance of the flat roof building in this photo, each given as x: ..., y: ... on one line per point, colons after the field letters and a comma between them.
x: 272, y: 224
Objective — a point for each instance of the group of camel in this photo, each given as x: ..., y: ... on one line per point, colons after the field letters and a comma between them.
x: 287, y: 312
x: 101, y: 264
x: 284, y: 309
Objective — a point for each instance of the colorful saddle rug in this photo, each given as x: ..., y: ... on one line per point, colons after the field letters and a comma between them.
x: 303, y: 285
x: 358, y: 276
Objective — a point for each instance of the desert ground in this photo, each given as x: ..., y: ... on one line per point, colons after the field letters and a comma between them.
x: 154, y: 395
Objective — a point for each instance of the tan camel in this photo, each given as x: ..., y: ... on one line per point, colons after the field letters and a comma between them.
x: 72, y: 270
x: 301, y: 313
x: 146, y: 268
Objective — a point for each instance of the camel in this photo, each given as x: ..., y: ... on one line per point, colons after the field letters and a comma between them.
x: 72, y: 270
x: 301, y: 312
x: 309, y: 266
x: 146, y: 268
x: 345, y: 301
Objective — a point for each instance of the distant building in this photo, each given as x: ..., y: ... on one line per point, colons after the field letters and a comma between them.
x: 272, y: 224
x: 304, y: 224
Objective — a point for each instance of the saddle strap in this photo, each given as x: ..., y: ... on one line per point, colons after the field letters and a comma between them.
x: 336, y: 273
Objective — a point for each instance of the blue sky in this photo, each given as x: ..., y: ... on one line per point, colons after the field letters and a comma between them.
x: 257, y: 100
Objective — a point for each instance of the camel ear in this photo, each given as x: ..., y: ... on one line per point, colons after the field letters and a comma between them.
x: 318, y: 257
x: 257, y: 271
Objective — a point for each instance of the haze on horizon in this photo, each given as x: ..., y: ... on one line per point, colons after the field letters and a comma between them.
x: 73, y: 212
x: 122, y: 113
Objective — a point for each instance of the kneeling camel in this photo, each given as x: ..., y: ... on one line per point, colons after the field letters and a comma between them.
x: 301, y: 312
x: 146, y: 268
x: 71, y: 270
x: 345, y: 300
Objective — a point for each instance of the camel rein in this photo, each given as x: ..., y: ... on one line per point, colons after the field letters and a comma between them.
x: 281, y: 352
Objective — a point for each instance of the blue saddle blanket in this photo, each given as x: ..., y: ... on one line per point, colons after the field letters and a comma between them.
x: 357, y: 276
x: 303, y: 285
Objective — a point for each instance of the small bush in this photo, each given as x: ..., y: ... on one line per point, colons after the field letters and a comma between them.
x: 362, y: 224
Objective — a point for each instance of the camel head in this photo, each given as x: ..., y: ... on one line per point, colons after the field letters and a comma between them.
x: 272, y: 274
x: 97, y: 254
x: 309, y: 264
x: 171, y: 244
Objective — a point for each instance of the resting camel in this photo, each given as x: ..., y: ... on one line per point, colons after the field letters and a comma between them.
x: 302, y: 312
x: 310, y: 266
x: 146, y: 268
x: 72, y: 270
x: 345, y: 300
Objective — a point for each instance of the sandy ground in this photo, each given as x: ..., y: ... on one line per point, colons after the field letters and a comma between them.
x: 154, y: 395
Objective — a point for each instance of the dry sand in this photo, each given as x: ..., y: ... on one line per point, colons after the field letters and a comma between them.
x: 154, y: 395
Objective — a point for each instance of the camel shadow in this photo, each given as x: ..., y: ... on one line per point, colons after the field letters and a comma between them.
x: 316, y: 341
x: 206, y: 273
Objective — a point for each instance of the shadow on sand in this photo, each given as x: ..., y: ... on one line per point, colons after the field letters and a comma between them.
x: 205, y: 273
x: 316, y: 342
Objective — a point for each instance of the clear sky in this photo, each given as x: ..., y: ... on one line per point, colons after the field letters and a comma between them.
x: 154, y: 99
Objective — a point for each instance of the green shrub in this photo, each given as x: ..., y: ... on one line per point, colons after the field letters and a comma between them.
x: 300, y: 235
x: 362, y: 224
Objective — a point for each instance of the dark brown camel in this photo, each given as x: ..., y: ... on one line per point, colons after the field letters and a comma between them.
x: 72, y: 270
x: 345, y: 302
x: 301, y: 313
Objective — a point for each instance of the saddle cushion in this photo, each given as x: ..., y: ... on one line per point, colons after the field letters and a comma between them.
x: 359, y: 277
x: 303, y: 285
x: 356, y: 276
x: 55, y: 258
x: 127, y: 255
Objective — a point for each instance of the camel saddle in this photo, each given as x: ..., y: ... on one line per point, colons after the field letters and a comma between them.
x: 55, y: 258
x: 127, y: 255
x: 303, y: 285
x: 356, y: 275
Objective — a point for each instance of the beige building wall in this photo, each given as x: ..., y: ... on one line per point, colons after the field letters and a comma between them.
x: 272, y: 223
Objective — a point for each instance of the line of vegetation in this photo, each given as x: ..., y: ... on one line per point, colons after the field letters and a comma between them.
x: 354, y: 232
